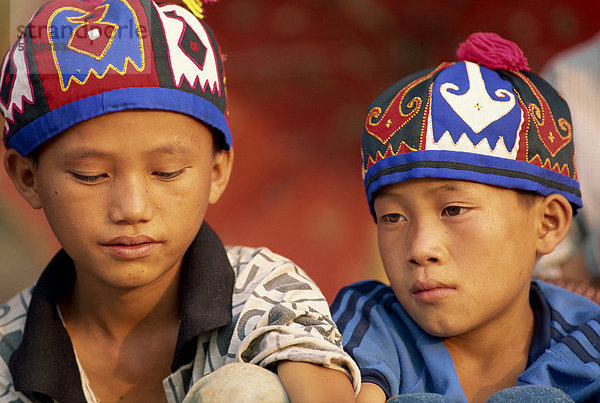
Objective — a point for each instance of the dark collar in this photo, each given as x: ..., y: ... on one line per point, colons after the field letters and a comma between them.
x: 541, y: 330
x: 44, y: 364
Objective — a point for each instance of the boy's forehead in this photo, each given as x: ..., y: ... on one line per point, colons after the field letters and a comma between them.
x: 152, y: 132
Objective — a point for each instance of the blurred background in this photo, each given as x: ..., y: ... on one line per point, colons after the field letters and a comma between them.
x: 300, y: 76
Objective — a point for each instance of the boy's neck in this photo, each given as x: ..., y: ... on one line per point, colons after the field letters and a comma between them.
x: 116, y: 312
x: 490, y: 359
x: 124, y: 339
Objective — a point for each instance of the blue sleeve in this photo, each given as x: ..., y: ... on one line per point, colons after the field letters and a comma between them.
x: 368, y: 333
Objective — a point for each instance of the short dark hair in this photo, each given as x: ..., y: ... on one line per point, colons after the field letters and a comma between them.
x: 527, y: 198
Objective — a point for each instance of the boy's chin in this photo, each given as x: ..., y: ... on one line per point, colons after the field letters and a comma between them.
x: 442, y: 332
x: 129, y: 276
x: 443, y: 327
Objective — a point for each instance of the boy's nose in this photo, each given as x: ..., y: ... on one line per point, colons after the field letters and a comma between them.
x: 130, y: 202
x: 426, y: 245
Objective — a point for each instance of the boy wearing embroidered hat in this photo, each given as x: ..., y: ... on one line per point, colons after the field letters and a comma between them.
x: 116, y: 127
x: 469, y: 175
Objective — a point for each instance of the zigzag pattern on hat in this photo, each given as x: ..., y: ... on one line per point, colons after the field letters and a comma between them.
x: 487, y: 119
x: 77, y: 59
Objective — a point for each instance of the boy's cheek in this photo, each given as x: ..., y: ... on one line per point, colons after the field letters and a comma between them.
x: 392, y: 260
x: 391, y: 247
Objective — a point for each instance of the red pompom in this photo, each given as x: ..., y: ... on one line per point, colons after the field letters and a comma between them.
x: 492, y: 51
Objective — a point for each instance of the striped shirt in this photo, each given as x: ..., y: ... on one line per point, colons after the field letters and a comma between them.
x: 393, y: 352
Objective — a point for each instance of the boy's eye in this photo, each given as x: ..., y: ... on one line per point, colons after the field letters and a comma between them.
x: 88, y: 178
x: 390, y: 218
x: 168, y: 175
x: 453, y: 210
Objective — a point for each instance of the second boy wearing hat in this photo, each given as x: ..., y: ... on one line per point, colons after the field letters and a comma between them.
x: 116, y: 127
x: 470, y: 177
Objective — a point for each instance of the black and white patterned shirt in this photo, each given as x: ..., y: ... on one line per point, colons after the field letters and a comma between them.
x: 239, y: 304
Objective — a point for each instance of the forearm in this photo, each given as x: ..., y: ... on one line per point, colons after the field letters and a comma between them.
x: 370, y: 393
x: 305, y: 382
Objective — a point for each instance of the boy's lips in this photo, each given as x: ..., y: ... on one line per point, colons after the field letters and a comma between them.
x: 130, y: 248
x: 431, y: 290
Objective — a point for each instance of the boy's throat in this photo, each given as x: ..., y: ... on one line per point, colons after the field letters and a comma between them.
x: 487, y: 364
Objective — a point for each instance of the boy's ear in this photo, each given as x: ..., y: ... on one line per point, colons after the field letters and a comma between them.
x: 221, y: 171
x: 555, y: 222
x: 21, y: 171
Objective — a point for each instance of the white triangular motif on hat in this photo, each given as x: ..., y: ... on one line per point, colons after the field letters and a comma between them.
x: 464, y: 143
x: 475, y: 107
x: 22, y: 90
x: 206, y: 74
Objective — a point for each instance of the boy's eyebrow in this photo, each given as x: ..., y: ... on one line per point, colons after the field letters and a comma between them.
x: 463, y: 188
x: 171, y: 148
x: 444, y: 187
x: 449, y: 187
x: 390, y: 195
x: 84, y: 152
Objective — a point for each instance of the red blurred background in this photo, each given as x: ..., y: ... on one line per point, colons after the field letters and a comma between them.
x: 300, y: 75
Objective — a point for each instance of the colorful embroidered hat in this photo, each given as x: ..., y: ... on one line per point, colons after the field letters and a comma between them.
x: 485, y: 119
x: 78, y: 59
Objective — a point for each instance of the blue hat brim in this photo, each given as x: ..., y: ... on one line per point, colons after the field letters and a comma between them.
x: 165, y: 99
x: 441, y: 164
